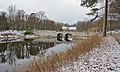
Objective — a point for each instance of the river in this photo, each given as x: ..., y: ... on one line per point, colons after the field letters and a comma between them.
x: 16, y: 55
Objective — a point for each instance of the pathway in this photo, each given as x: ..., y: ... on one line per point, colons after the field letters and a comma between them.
x: 105, y: 58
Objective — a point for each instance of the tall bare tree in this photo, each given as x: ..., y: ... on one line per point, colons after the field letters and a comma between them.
x: 20, y: 19
x: 11, y: 15
x: 3, y: 21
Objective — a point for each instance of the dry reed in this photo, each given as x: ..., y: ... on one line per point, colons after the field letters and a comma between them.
x: 52, y: 63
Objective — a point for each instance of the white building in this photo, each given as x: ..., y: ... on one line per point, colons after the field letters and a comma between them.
x: 69, y: 28
x: 72, y: 28
x: 64, y: 28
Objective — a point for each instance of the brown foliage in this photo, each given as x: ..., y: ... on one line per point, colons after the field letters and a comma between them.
x: 52, y: 63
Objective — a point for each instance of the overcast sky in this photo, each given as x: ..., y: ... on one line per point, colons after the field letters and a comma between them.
x: 66, y: 11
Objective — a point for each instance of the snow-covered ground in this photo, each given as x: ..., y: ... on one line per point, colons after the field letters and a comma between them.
x: 105, y: 58
x: 31, y: 36
x: 15, y: 35
x: 12, y: 32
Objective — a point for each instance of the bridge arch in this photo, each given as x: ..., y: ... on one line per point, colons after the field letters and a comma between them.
x: 66, y: 36
x: 60, y: 37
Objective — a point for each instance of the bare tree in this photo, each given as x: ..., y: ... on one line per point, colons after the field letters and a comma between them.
x: 41, y: 15
x: 3, y: 13
x: 11, y: 15
x: 20, y: 18
x: 26, y: 21
x: 3, y: 21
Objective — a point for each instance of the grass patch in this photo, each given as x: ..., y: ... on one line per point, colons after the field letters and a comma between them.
x: 52, y: 63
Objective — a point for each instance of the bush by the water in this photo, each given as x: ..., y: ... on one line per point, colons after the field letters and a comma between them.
x: 28, y: 33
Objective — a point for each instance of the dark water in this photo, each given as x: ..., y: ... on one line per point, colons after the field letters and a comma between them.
x: 16, y: 55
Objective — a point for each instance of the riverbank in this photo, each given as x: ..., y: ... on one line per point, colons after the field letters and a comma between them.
x: 57, y: 61
x: 105, y: 58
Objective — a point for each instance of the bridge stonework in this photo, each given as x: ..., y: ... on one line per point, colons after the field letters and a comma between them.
x: 54, y: 33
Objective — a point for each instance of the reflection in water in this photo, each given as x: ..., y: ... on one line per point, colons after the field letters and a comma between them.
x: 12, y: 53
x: 20, y: 50
x: 3, y: 48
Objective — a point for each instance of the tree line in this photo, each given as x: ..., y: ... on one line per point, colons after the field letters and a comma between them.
x: 18, y: 20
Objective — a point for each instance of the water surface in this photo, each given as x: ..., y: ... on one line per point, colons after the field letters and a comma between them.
x: 16, y: 55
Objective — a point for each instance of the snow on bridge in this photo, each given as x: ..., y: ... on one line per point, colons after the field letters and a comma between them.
x: 54, y: 33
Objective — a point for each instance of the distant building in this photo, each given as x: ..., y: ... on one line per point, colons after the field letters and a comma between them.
x: 69, y: 28
x: 72, y: 28
x: 64, y: 28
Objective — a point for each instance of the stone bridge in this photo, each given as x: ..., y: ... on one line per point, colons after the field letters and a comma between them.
x: 48, y: 33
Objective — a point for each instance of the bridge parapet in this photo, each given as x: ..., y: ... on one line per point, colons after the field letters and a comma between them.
x: 54, y: 33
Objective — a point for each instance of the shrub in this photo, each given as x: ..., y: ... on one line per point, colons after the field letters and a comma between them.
x: 27, y: 33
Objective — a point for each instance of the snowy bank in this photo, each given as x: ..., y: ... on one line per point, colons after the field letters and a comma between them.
x: 105, y: 58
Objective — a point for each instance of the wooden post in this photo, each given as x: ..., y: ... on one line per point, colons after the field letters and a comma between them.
x: 105, y: 21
